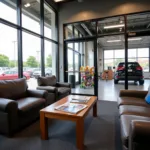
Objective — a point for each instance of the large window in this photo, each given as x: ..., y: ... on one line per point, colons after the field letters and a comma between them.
x: 113, y: 57
x: 31, y: 58
x: 8, y: 53
x: 31, y: 15
x: 8, y: 10
x: 141, y: 55
x: 49, y: 22
x: 26, y: 45
x: 50, y: 58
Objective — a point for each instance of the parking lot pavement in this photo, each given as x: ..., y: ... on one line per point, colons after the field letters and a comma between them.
x: 32, y: 83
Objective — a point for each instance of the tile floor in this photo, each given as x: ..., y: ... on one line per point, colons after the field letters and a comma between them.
x: 109, y: 91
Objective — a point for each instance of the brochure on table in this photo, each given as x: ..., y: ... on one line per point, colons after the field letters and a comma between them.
x: 80, y: 99
x: 71, y: 107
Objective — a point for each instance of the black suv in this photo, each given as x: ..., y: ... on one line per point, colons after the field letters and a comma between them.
x: 135, y: 72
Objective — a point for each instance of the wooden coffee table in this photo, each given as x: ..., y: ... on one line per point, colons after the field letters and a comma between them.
x: 51, y: 113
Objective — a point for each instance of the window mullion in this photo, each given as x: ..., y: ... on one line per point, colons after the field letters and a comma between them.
x: 42, y: 38
x: 19, y: 36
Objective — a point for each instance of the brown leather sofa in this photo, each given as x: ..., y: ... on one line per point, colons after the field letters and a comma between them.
x: 19, y: 106
x: 135, y: 119
x: 56, y: 90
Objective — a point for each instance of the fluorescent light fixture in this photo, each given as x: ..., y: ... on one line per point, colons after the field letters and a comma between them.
x: 111, y: 41
x: 114, y: 26
x: 27, y: 5
x: 134, y: 39
x: 131, y: 39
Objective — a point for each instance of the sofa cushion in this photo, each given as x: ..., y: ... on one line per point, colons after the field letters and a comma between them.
x: 132, y: 101
x: 26, y: 104
x: 13, y: 89
x: 63, y: 90
x: 125, y: 126
x: 46, y: 81
x: 134, y: 110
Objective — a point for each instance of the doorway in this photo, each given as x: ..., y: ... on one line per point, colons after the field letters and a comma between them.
x: 81, y: 66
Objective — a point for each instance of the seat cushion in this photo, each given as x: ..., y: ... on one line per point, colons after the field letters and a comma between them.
x: 63, y: 90
x: 134, y: 110
x: 125, y: 126
x: 132, y: 101
x: 26, y: 104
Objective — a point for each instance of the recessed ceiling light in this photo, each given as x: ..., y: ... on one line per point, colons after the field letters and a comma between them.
x: 111, y: 41
x: 27, y: 5
x: 114, y: 26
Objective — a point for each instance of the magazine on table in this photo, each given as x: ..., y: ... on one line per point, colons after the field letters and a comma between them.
x: 79, y: 99
x: 71, y: 107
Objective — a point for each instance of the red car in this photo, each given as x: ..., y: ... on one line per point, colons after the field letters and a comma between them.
x: 10, y: 75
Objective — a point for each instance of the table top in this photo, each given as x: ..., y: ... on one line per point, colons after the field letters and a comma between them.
x: 51, y: 108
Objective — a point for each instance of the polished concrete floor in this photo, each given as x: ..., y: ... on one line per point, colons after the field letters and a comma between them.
x: 109, y: 91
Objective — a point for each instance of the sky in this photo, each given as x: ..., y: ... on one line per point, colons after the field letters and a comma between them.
x: 8, y: 36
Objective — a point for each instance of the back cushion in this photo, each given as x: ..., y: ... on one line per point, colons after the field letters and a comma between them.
x: 46, y: 81
x: 13, y: 89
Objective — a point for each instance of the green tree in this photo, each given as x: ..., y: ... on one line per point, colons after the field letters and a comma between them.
x: 13, y: 63
x: 32, y: 62
x: 49, y: 61
x: 4, y: 61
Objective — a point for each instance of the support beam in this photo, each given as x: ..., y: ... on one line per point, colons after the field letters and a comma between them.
x: 86, y: 29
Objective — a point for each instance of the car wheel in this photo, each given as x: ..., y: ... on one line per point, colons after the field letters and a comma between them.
x: 116, y: 81
x: 141, y: 82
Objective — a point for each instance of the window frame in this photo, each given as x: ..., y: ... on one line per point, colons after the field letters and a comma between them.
x: 136, y: 58
x: 21, y: 29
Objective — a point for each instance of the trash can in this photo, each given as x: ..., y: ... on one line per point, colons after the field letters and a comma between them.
x: 72, y: 80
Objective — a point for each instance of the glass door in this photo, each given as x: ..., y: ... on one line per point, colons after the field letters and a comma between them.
x: 80, y: 71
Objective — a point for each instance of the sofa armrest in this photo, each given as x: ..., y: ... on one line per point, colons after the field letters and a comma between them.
x: 7, y: 105
x: 8, y: 116
x: 60, y: 84
x: 37, y: 93
x: 139, y: 133
x: 49, y: 89
x: 133, y: 93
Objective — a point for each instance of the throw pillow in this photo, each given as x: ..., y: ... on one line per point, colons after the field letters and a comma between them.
x: 147, y: 98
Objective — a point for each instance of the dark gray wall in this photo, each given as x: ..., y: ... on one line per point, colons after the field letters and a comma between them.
x: 91, y: 9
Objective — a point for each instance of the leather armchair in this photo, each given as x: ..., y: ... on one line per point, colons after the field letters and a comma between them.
x: 18, y: 105
x: 56, y: 90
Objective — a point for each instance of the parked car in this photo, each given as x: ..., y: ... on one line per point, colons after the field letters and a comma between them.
x: 135, y: 72
x: 10, y: 75
x: 48, y: 72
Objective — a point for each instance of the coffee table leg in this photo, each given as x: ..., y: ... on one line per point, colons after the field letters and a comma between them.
x: 43, y: 126
x: 95, y: 110
x: 80, y: 134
